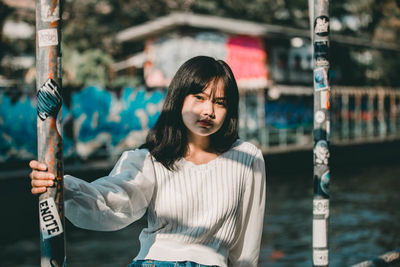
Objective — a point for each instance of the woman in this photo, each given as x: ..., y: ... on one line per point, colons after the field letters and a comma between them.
x: 202, y: 187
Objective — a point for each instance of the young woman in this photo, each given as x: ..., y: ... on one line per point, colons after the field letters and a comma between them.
x: 202, y: 187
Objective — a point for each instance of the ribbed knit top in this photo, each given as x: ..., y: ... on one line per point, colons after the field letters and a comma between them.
x: 211, y: 213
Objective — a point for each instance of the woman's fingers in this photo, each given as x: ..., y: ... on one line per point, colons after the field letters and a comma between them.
x: 42, y: 183
x: 36, y: 165
x: 38, y: 190
x: 40, y: 175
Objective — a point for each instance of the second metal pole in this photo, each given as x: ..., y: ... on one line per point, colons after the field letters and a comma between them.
x: 320, y: 39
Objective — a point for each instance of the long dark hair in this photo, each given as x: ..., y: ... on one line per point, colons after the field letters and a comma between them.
x: 167, y: 140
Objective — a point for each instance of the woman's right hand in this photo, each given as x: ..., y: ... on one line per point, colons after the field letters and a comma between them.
x: 40, y: 177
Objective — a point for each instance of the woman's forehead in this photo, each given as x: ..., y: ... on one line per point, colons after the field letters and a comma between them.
x: 215, y: 88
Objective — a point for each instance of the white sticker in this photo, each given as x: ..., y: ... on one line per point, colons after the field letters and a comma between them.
x: 48, y: 13
x: 321, y: 152
x: 320, y: 257
x: 321, y: 207
x: 48, y: 37
x: 324, y: 100
x: 319, y: 116
x: 319, y: 234
x: 50, y: 223
x: 328, y: 128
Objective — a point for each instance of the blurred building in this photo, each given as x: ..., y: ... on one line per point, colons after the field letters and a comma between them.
x: 269, y: 55
x: 260, y: 55
x: 271, y: 63
x: 273, y: 67
x: 17, y: 44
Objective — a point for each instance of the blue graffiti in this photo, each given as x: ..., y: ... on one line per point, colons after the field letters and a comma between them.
x: 140, y: 100
x: 17, y: 127
x: 90, y: 109
x: 18, y: 130
x: 99, y: 119
x: 96, y: 111
x: 95, y: 114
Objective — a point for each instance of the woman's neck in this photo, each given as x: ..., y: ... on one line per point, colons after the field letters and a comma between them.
x: 199, y: 151
x: 198, y: 143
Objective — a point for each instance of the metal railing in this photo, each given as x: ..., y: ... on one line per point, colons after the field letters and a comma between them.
x: 362, y: 115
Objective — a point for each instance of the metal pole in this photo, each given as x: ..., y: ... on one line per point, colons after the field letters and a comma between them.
x: 358, y: 114
x: 392, y: 113
x: 320, y: 39
x: 381, y: 113
x: 345, y: 116
x: 50, y: 145
x: 370, y: 107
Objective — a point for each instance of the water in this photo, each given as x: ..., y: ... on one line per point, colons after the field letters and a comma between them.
x: 364, y: 223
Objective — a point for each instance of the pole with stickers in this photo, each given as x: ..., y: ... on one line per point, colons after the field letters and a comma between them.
x: 50, y: 145
x: 319, y: 22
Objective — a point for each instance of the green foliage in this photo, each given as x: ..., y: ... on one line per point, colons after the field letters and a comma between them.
x: 89, y: 28
x: 353, y: 72
x: 387, y: 65
x: 87, y: 67
x: 123, y: 81
x: 4, y: 11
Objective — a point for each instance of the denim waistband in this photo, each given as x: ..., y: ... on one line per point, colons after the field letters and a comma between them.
x: 154, y: 263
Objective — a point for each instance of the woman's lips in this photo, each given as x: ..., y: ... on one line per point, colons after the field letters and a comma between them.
x: 205, y: 123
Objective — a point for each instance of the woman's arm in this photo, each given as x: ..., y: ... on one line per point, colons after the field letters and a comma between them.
x: 246, y: 250
x: 111, y: 202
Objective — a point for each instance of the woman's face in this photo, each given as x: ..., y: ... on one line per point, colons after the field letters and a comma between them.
x: 204, y: 113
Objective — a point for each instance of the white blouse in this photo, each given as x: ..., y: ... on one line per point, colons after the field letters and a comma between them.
x: 211, y: 213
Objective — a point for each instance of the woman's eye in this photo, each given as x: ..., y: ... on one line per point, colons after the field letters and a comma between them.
x: 199, y: 97
x: 220, y: 102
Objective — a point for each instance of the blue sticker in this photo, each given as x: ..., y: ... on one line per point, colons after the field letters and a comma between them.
x: 49, y: 100
x: 320, y: 79
x: 325, y: 182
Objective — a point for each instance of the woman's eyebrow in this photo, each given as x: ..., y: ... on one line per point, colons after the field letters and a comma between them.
x: 211, y: 95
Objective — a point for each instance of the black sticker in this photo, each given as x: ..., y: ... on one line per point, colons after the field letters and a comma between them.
x: 321, y: 53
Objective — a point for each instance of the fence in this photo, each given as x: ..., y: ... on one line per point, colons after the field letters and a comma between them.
x: 358, y: 115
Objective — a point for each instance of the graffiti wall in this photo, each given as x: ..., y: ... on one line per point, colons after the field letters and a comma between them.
x: 17, y: 127
x: 97, y: 122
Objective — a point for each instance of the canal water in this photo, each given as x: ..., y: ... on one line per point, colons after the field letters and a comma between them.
x: 364, y: 222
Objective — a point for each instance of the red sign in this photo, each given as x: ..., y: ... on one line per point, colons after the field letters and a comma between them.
x: 247, y: 58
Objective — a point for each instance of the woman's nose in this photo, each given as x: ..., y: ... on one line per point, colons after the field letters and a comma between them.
x: 208, y: 109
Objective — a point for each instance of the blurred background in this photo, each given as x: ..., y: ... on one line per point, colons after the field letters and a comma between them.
x: 118, y: 58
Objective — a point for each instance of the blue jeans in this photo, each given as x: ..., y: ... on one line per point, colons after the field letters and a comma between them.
x: 153, y: 263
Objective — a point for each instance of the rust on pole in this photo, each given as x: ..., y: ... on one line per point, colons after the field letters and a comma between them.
x: 50, y: 145
x: 319, y: 18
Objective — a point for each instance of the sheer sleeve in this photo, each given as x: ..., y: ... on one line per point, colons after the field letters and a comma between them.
x: 114, y: 201
x: 246, y: 249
